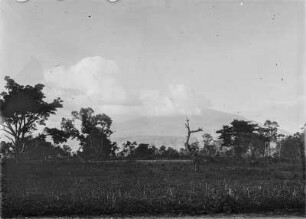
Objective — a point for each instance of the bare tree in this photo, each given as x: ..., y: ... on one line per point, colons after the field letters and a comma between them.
x: 193, y: 152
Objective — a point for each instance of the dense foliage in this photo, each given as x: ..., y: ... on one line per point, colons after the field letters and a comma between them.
x: 22, y: 109
x: 93, y: 134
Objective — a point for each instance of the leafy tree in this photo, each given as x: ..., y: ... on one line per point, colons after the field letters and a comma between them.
x: 237, y: 136
x: 128, y: 149
x: 257, y: 145
x: 6, y: 148
x: 58, y: 136
x: 271, y: 130
x: 145, y: 151
x: 39, y: 148
x: 171, y: 153
x: 207, y: 139
x: 293, y: 146
x: 94, y: 134
x: 162, y: 150
x: 67, y: 149
x: 209, y: 148
x: 22, y: 109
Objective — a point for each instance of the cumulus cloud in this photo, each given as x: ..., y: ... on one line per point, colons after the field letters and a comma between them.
x: 177, y: 99
x: 94, y: 82
x: 92, y: 78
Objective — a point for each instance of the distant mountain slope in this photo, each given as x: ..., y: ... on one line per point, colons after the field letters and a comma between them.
x: 169, y: 130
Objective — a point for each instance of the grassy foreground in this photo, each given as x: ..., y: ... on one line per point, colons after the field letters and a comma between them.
x: 70, y: 189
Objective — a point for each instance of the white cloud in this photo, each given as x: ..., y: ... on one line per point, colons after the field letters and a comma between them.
x: 93, y: 82
x: 91, y: 79
x: 177, y: 99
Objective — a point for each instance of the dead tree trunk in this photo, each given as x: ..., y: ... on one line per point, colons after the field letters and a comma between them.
x: 192, y: 152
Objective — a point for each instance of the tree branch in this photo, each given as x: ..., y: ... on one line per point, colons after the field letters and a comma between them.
x: 12, y: 140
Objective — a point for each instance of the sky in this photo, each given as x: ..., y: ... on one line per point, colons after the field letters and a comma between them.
x: 161, y: 57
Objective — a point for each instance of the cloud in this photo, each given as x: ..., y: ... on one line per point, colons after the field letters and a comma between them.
x: 93, y: 79
x: 177, y: 99
x: 94, y: 82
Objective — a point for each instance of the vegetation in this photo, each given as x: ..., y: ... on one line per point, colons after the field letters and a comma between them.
x: 133, y: 188
x: 243, y: 173
x: 22, y: 109
x: 93, y: 134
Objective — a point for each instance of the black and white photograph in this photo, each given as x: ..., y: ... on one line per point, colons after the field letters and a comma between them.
x: 152, y: 108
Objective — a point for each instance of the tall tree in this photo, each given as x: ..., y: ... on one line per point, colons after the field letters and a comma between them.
x: 22, y: 109
x: 271, y: 130
x: 207, y: 139
x: 93, y: 134
x: 237, y: 136
x: 128, y: 149
x: 145, y: 151
x: 193, y: 152
x: 293, y: 147
x: 209, y: 148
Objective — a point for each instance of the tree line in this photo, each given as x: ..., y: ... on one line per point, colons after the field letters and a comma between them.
x: 24, y: 108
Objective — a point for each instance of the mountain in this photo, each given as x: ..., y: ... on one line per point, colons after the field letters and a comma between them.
x: 169, y: 130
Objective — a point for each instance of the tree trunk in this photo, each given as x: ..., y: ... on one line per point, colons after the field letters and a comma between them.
x: 193, y: 153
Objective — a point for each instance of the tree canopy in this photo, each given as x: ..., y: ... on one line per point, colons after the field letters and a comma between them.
x: 22, y: 109
x: 237, y: 135
x: 93, y: 134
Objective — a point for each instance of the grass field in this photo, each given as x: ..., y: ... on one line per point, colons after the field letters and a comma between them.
x: 145, y: 188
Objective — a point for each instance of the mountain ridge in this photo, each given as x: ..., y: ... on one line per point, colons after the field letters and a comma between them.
x: 170, y: 130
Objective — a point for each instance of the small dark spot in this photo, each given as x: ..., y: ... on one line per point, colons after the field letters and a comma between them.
x: 89, y: 16
x: 282, y: 79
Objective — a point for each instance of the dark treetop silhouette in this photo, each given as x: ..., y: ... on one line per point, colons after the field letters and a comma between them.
x: 22, y: 109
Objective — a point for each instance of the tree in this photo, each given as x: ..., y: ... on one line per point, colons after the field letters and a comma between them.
x: 209, y: 148
x: 237, y: 136
x: 257, y: 145
x: 171, y: 153
x: 94, y: 133
x: 22, y: 109
x: 6, y: 148
x: 271, y: 130
x: 128, y: 149
x: 145, y: 151
x: 207, y: 139
x: 193, y: 152
x: 293, y: 147
x: 162, y: 150
x: 67, y: 149
x: 39, y: 148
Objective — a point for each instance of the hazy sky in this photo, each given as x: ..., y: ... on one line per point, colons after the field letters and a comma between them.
x: 161, y: 57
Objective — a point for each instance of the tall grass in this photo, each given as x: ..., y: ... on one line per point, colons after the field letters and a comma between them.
x: 152, y: 188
